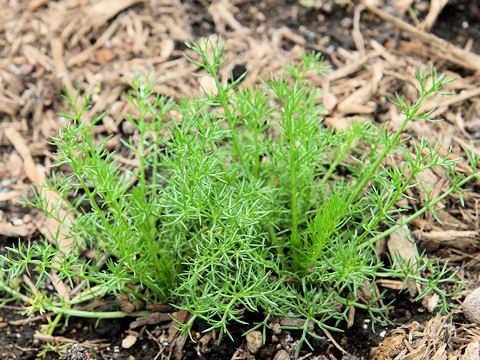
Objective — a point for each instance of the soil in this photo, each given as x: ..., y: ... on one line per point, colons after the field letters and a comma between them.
x: 95, y: 45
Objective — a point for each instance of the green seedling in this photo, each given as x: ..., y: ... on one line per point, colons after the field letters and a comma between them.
x: 240, y: 201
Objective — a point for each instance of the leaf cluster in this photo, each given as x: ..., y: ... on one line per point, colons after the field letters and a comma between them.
x: 239, y: 201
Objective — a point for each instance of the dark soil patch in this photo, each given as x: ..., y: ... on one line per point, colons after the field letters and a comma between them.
x: 459, y: 22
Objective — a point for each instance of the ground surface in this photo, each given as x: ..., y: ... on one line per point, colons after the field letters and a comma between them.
x: 96, y: 46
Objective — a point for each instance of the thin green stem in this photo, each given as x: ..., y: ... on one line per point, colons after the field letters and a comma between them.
x: 141, y: 150
x: 61, y: 309
x: 385, y: 209
x: 223, y: 99
x: 338, y: 158
x: 412, y: 217
x: 293, y: 195
x: 391, y: 143
x: 53, y: 325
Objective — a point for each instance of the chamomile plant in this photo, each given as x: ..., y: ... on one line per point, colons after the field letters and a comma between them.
x: 240, y: 201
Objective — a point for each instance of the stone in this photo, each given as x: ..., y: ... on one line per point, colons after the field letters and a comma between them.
x: 254, y: 341
x: 281, y: 355
x: 129, y: 341
x: 471, y: 306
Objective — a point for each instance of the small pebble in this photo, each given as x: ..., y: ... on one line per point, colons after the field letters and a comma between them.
x: 129, y: 341
x: 346, y: 22
x: 163, y: 339
x: 128, y: 128
x: 276, y: 329
x: 79, y: 352
x: 17, y: 222
x: 6, y: 182
x: 281, y: 355
x: 471, y: 306
x: 254, y: 341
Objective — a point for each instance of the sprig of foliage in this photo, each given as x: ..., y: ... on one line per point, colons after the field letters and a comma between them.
x: 238, y: 207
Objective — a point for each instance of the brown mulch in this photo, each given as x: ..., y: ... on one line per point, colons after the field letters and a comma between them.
x: 373, y: 51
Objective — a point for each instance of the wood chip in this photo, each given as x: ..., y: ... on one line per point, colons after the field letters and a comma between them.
x: 403, y: 250
x: 443, y: 49
x: 24, y: 231
x: 152, y: 319
x: 462, y: 240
